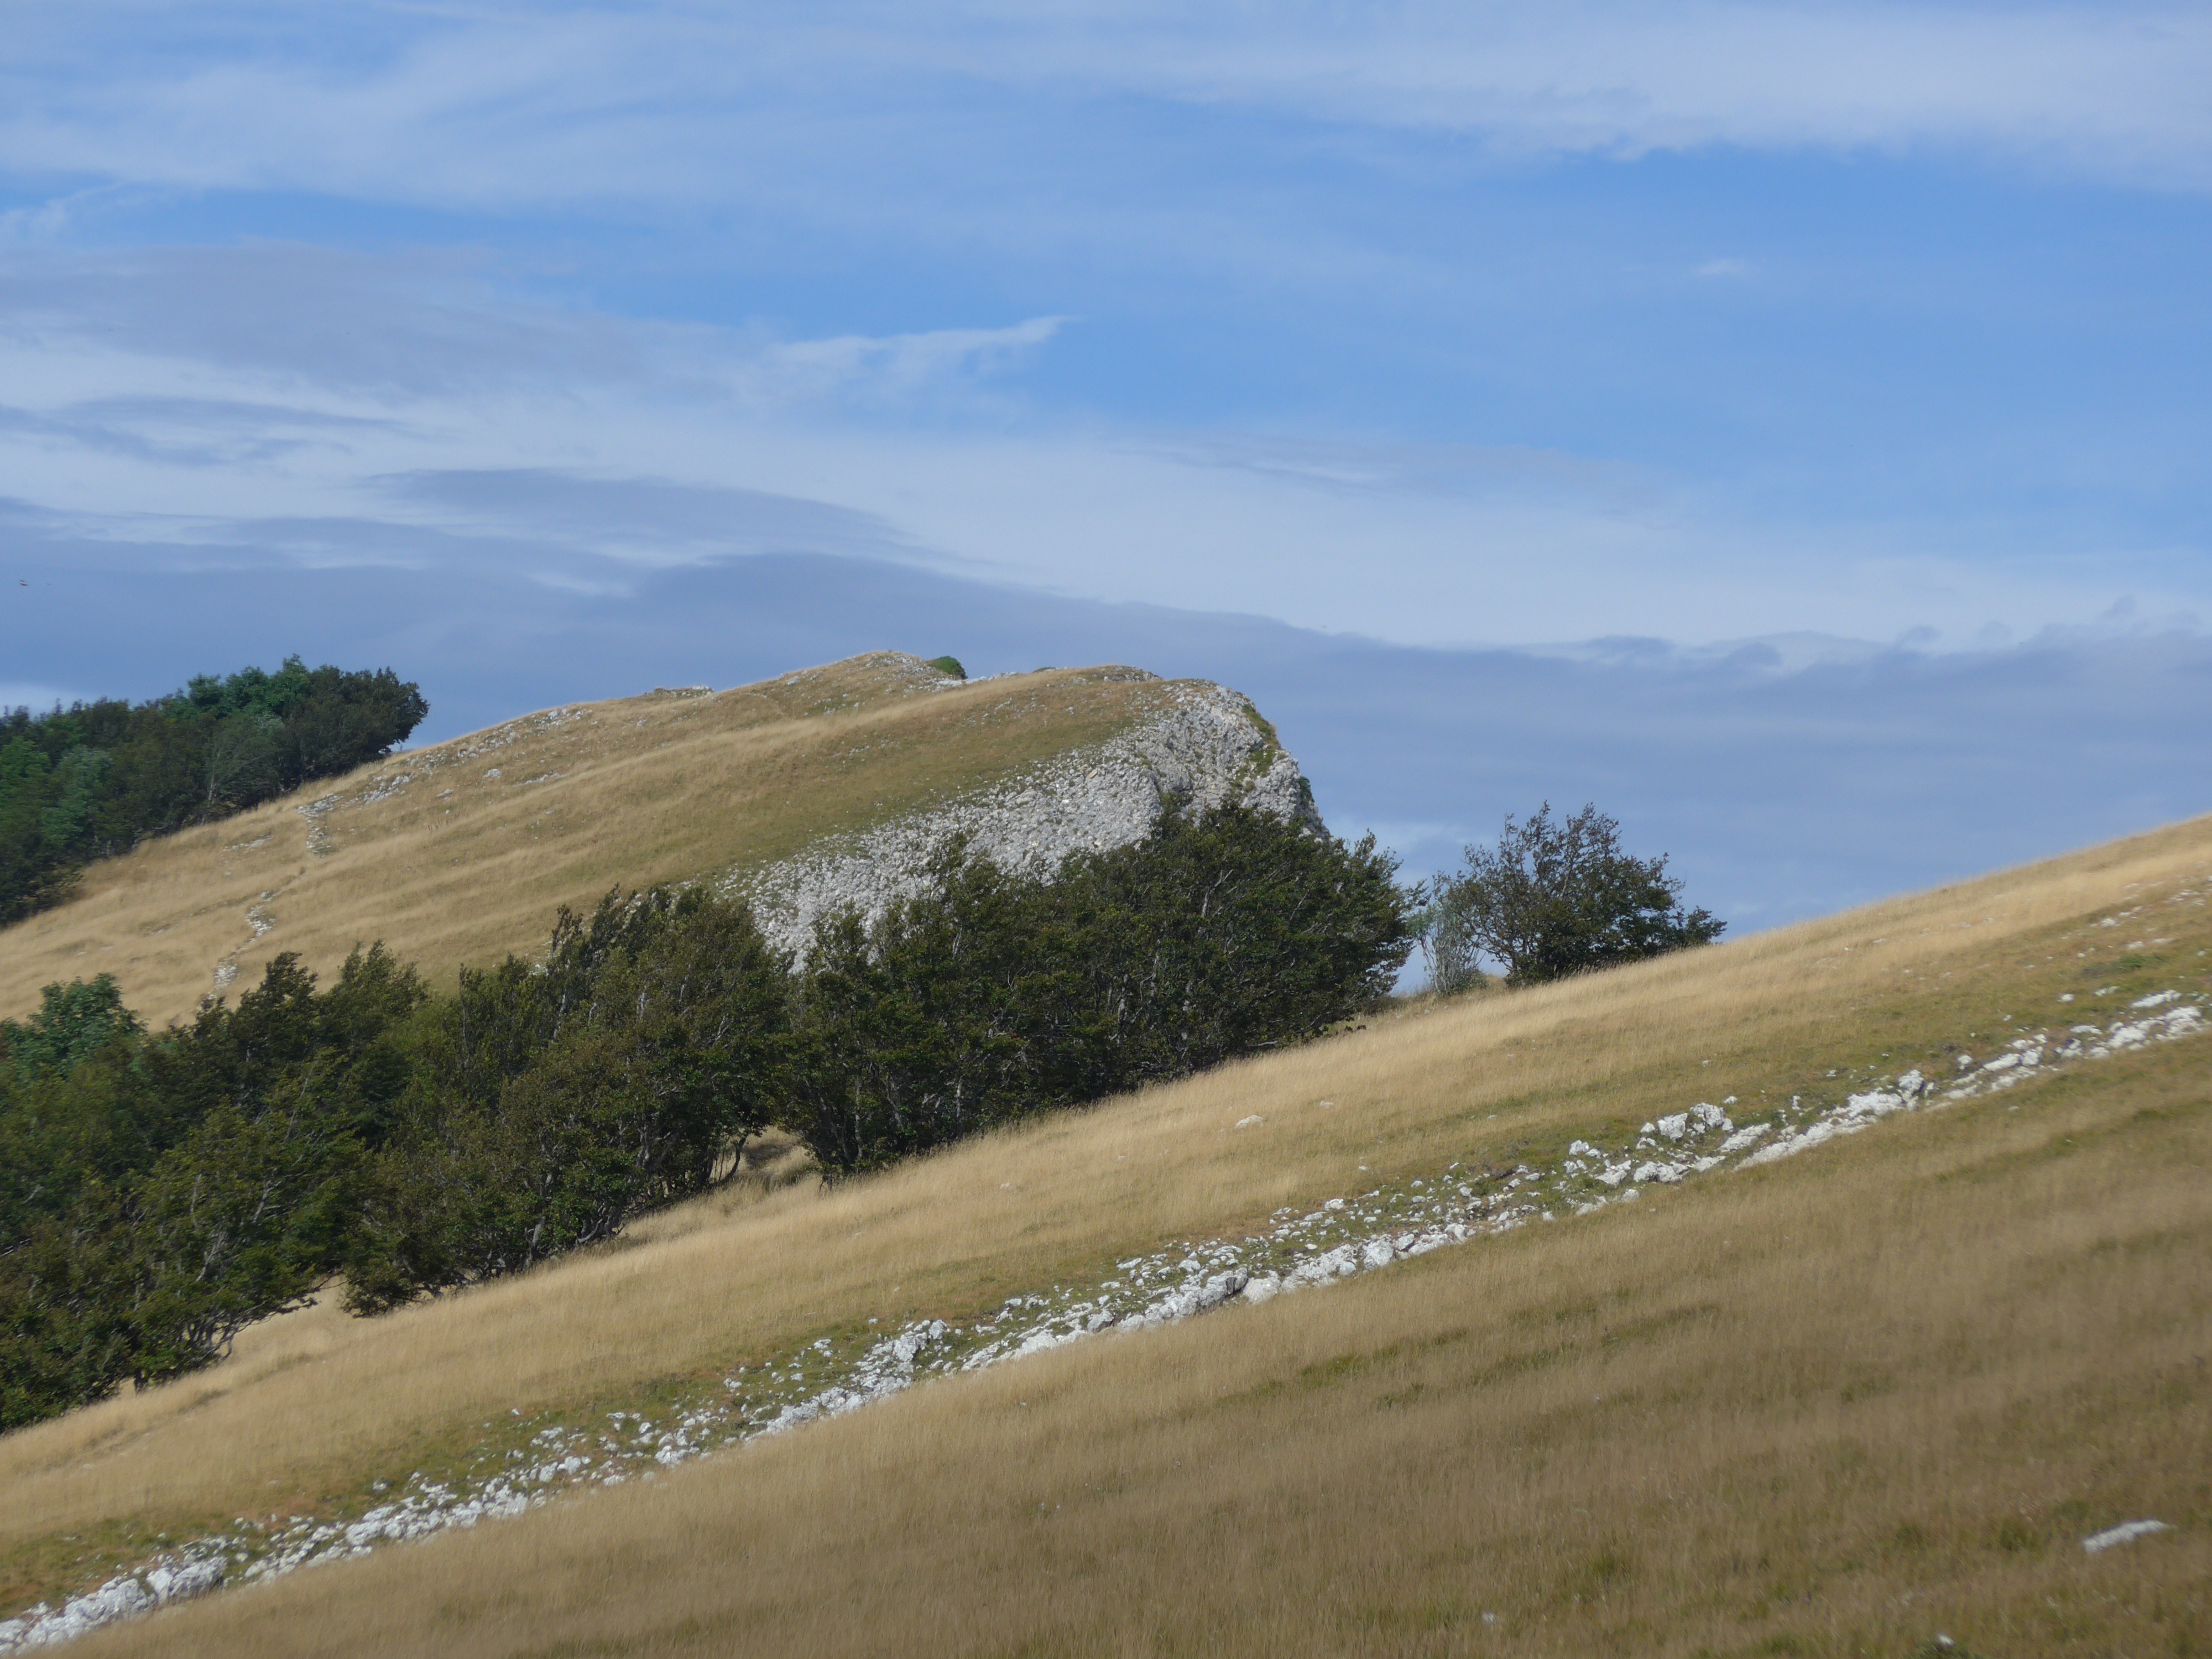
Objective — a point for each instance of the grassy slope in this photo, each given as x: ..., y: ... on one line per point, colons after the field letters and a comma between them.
x: 1833, y: 1406
x: 457, y: 866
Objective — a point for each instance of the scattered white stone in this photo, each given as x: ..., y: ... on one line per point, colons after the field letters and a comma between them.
x: 2127, y: 1532
x: 1339, y: 1240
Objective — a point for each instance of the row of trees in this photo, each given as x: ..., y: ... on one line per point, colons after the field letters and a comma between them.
x: 159, y: 1191
x: 93, y: 779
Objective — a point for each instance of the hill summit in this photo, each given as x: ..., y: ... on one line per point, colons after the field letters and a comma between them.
x: 822, y: 787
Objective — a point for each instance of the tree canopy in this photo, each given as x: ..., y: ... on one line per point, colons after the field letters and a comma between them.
x: 158, y: 1191
x: 1554, y: 897
x: 986, y: 997
x: 92, y: 780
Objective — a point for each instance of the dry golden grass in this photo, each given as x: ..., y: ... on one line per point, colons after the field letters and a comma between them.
x: 1832, y: 1408
x: 1961, y: 1324
x: 459, y: 867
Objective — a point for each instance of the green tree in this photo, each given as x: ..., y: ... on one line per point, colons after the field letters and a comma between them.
x: 239, y: 759
x: 550, y: 1105
x: 157, y: 1194
x: 936, y: 1022
x: 242, y: 1219
x: 1555, y: 897
x: 1231, y: 932
x: 93, y: 779
x: 987, y: 997
x: 74, y: 1021
x: 34, y: 872
x: 66, y: 1335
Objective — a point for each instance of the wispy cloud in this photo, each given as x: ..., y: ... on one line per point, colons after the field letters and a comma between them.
x: 1376, y: 468
x: 668, y: 102
x: 633, y: 520
x: 889, y: 369
x: 554, y: 347
x: 214, y: 404
x: 2110, y: 89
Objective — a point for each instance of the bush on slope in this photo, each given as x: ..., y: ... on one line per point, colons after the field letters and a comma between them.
x: 158, y: 1195
x: 552, y: 1103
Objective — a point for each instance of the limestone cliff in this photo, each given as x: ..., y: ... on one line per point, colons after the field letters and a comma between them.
x: 1207, y: 743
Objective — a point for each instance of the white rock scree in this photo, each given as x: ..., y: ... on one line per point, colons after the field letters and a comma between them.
x: 1341, y: 1238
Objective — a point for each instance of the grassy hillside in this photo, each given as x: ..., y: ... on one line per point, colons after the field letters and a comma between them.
x: 1836, y: 1405
x: 461, y: 852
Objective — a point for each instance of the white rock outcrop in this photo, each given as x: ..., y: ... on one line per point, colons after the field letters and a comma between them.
x: 1208, y: 744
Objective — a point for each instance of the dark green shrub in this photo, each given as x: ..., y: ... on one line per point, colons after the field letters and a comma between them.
x: 158, y: 1194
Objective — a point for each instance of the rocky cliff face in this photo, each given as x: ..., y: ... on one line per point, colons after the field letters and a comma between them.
x: 1209, y: 745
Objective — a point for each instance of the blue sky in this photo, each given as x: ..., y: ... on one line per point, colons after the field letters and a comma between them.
x: 527, y: 347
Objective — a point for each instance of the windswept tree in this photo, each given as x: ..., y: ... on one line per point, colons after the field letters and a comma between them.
x: 1554, y: 897
x: 551, y: 1102
x: 161, y: 1192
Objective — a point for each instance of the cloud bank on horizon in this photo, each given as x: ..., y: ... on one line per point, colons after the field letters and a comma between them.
x: 1425, y: 327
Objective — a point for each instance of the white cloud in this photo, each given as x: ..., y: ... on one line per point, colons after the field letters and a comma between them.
x: 263, y: 404
x: 873, y: 109
x: 1418, y: 469
x: 2113, y: 88
x: 888, y: 369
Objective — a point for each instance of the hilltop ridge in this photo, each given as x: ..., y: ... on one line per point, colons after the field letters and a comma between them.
x: 816, y: 786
